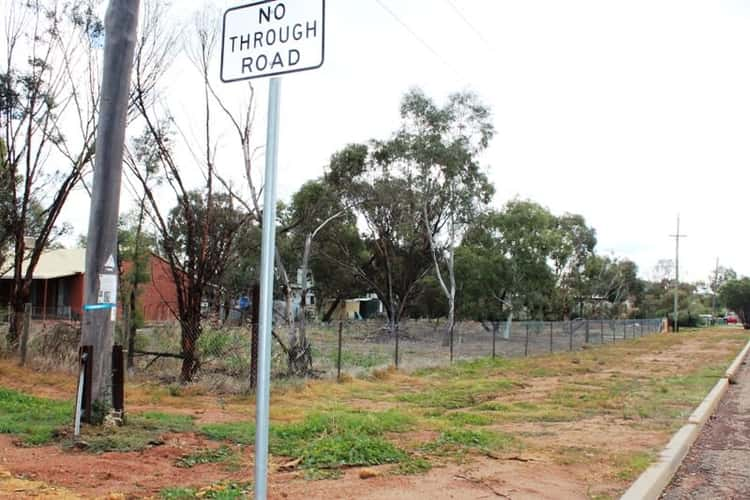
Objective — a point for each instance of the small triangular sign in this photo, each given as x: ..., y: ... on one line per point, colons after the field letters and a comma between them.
x: 110, y: 264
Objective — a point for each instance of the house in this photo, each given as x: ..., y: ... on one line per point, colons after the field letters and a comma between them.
x: 57, y: 287
x: 366, y: 307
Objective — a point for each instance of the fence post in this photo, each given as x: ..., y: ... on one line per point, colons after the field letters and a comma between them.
x: 526, y: 346
x: 494, y: 337
x: 570, y: 323
x: 395, y: 354
x: 601, y: 328
x: 551, y: 333
x: 587, y: 331
x: 641, y: 328
x: 338, y: 357
x: 25, y: 333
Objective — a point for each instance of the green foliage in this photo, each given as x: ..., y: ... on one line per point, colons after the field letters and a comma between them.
x: 425, y: 175
x: 34, y: 420
x: 735, y: 294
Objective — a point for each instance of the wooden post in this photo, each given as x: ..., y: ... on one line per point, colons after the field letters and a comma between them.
x: 601, y: 321
x: 570, y: 324
x: 494, y: 338
x: 25, y: 332
x: 87, y: 375
x: 551, y: 333
x: 526, y: 347
x: 118, y: 380
x: 587, y: 331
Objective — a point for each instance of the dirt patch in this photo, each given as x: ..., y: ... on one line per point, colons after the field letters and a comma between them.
x: 141, y: 473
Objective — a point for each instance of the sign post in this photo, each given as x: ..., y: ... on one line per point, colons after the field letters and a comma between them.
x: 268, y: 39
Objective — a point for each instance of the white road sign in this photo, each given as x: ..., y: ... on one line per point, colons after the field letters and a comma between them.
x: 272, y: 37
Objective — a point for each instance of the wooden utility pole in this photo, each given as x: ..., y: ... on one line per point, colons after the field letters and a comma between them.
x: 677, y: 237
x: 100, y: 282
x: 715, y: 291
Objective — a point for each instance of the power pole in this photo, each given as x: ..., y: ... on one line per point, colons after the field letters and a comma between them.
x: 100, y: 281
x: 677, y: 237
x: 713, y: 289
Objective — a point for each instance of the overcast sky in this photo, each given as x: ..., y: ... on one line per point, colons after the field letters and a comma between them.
x: 625, y: 112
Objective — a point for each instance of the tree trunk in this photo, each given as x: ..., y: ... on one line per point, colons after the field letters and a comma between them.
x: 190, y: 362
x: 332, y: 309
x: 133, y: 328
x: 15, y: 326
x: 508, y: 323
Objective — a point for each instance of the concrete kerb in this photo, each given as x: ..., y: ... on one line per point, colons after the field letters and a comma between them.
x: 651, y: 484
x: 731, y: 372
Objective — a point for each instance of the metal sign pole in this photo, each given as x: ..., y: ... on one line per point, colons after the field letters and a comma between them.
x: 266, y: 293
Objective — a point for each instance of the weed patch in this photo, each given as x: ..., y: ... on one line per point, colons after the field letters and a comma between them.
x: 139, y: 432
x: 218, y: 491
x: 466, y: 418
x: 208, y: 456
x: 236, y: 432
x: 34, y: 420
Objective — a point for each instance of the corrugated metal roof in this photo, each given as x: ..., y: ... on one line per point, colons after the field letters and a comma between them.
x: 57, y: 264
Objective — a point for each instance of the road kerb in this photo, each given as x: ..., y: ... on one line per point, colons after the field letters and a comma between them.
x: 708, y: 405
x: 651, y: 484
x: 731, y: 372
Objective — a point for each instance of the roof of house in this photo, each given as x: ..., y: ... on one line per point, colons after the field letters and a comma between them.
x: 56, y: 264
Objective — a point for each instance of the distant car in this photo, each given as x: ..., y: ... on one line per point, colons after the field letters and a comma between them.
x: 732, y: 320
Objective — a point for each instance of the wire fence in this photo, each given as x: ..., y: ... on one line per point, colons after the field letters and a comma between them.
x: 357, y: 348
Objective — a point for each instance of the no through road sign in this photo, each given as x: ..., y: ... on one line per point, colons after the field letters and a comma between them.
x: 272, y: 37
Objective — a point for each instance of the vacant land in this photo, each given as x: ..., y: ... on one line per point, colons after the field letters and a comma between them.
x: 572, y: 425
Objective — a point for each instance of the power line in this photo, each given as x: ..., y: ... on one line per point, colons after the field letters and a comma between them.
x: 418, y: 38
x: 471, y: 25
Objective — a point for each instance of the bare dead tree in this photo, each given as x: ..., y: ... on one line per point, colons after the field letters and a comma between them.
x: 198, y: 234
x: 49, y: 98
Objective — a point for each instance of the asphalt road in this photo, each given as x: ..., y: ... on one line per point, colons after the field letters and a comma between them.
x: 718, y: 465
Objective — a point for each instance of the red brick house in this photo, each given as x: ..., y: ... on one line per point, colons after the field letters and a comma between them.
x: 57, y: 287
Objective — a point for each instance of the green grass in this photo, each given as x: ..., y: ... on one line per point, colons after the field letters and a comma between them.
x: 466, y: 418
x: 461, y: 441
x: 218, y: 491
x: 236, y: 432
x: 328, y: 439
x: 459, y: 393
x: 139, y: 432
x: 360, y: 360
x: 413, y: 466
x: 34, y: 420
x: 207, y: 456
x: 631, y: 465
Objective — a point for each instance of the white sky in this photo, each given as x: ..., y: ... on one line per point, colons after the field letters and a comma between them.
x: 624, y: 112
